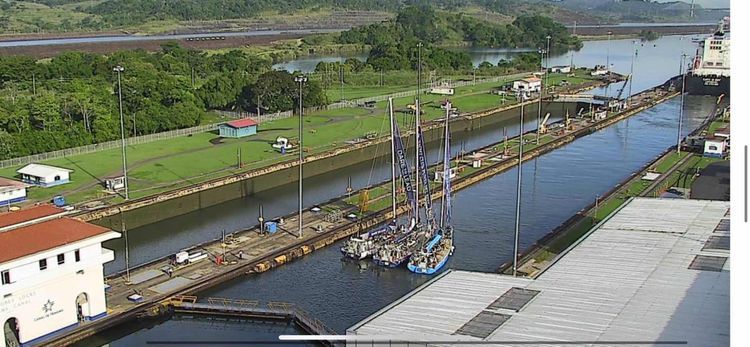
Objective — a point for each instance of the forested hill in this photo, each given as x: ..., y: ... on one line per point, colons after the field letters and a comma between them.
x: 394, y: 43
x: 153, y: 16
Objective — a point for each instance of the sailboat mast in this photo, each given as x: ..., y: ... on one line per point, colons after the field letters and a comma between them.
x: 416, y: 159
x: 446, y: 165
x: 393, y: 159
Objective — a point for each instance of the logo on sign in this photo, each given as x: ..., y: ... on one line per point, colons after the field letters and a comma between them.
x: 47, y: 308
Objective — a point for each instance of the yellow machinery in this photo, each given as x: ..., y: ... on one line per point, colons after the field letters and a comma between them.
x: 543, y: 124
x: 364, y: 200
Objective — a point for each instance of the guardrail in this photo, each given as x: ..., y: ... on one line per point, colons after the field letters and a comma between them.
x: 273, y: 309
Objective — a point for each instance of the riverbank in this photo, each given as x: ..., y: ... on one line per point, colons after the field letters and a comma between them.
x: 203, y: 275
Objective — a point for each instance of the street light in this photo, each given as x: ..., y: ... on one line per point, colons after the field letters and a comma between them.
x: 518, y: 188
x: 119, y: 69
x: 683, y: 71
x: 301, y: 80
x: 632, y: 63
x: 546, y: 64
x: 541, y: 94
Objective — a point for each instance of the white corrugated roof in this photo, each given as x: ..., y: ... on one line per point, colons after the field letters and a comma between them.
x: 628, y: 280
x: 41, y: 170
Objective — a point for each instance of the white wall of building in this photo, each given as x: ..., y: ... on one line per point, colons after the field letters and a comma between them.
x: 44, y: 301
x: 715, y: 60
x: 12, y: 194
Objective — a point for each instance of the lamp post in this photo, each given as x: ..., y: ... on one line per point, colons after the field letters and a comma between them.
x: 546, y: 64
x: 541, y: 94
x: 683, y: 71
x: 632, y: 63
x: 119, y: 69
x: 609, y: 38
x: 301, y: 80
x: 518, y: 189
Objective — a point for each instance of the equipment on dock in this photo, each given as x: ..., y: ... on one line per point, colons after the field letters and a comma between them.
x: 181, y: 258
x: 270, y: 227
x: 543, y: 124
x: 364, y: 200
x: 283, y: 144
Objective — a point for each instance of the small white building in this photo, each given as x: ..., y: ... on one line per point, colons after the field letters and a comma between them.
x: 442, y: 91
x: 11, y: 191
x: 560, y: 69
x: 531, y: 84
x: 714, y: 147
x: 44, y: 175
x: 599, y: 70
x: 51, y: 278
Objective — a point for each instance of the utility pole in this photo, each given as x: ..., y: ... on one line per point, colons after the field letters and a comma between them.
x: 33, y: 83
x: 257, y: 107
x: 301, y: 80
x: 119, y: 69
x: 609, y: 38
x: 683, y: 70
x: 518, y: 190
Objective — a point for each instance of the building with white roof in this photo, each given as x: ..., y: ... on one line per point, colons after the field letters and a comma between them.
x: 11, y: 191
x: 51, y: 274
x: 530, y: 84
x: 44, y: 175
x: 655, y: 270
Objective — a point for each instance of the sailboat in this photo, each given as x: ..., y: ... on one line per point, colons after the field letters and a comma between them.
x: 396, y: 250
x: 439, y: 244
x: 368, y: 244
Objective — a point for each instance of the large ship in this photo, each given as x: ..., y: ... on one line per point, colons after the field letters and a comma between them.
x: 709, y: 73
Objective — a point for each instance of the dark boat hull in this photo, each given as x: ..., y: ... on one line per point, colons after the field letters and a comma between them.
x: 707, y: 85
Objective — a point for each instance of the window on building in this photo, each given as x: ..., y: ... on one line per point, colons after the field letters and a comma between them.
x: 713, y: 148
x: 6, y: 277
x: 77, y: 255
x: 43, y: 264
x: 60, y: 259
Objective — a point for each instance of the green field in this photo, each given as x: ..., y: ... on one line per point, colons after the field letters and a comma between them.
x: 168, y: 164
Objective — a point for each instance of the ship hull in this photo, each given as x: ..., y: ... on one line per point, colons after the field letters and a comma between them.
x: 707, y: 85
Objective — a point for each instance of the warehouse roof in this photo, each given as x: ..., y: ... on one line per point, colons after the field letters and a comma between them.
x: 656, y: 270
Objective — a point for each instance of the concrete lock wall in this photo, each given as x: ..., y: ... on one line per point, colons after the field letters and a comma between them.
x: 189, y: 203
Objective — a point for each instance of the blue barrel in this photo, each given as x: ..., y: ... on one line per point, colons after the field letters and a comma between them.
x: 270, y: 227
x: 59, y: 201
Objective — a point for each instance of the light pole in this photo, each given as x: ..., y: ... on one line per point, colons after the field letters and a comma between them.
x: 683, y: 70
x: 546, y: 64
x: 518, y: 189
x: 119, y: 69
x: 609, y: 38
x: 541, y: 94
x: 632, y: 63
x: 301, y: 80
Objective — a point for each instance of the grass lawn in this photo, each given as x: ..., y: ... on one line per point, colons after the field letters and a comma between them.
x: 168, y: 164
